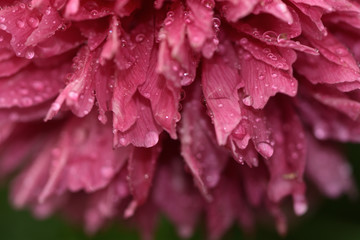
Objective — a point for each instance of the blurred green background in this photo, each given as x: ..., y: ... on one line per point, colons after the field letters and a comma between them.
x: 332, y: 220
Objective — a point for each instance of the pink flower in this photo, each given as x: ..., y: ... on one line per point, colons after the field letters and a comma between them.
x: 187, y: 108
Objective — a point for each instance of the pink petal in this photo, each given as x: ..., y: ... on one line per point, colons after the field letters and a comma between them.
x: 141, y: 167
x: 74, y: 168
x: 103, y: 204
x: 164, y: 98
x: 77, y: 10
x: 136, y: 47
x: 221, y: 212
x: 78, y: 94
x: 174, y: 188
x: 12, y: 65
x: 287, y: 165
x: 95, y: 31
x: 328, y: 169
x: 235, y: 9
x: 198, y: 147
x: 220, y: 83
x: 145, y: 131
x: 276, y: 8
x: 281, y: 58
x: 33, y: 86
x: 200, y: 22
x: 263, y: 81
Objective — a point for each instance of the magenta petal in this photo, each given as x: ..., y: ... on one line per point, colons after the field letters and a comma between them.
x: 78, y: 94
x: 200, y: 23
x: 328, y: 169
x: 287, y: 165
x: 220, y: 83
x: 234, y: 10
x: 145, y: 131
x: 103, y: 204
x: 12, y: 65
x: 134, y: 55
x: 276, y: 8
x: 174, y: 188
x: 164, y: 97
x: 141, y: 167
x: 34, y: 86
x: 263, y: 81
x: 220, y: 211
x: 74, y: 168
x: 198, y: 146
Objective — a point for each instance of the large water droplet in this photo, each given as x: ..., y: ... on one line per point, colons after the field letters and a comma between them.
x: 73, y: 95
x: 33, y: 22
x: 29, y: 54
x: 151, y: 138
x: 248, y: 100
x: 265, y: 149
x: 20, y: 23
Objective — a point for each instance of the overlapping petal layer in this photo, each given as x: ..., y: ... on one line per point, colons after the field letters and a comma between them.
x: 154, y: 107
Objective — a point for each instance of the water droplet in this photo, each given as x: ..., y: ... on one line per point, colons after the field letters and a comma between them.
x: 3, y: 27
x: 107, y: 172
x: 282, y: 37
x: 247, y: 100
x: 244, y: 41
x: 20, y: 23
x: 270, y: 36
x: 272, y: 56
x: 300, y: 207
x: 170, y: 14
x: 266, y: 50
x: 208, y: 4
x: 265, y: 149
x: 26, y: 101
x: 146, y: 176
x: 261, y: 76
x: 48, y: 11
x: 94, y: 13
x: 29, y: 54
x: 55, y: 106
x: 151, y: 138
x: 216, y: 22
x: 2, y: 19
x: 168, y: 21
x: 220, y: 105
x: 140, y: 37
x: 73, y: 95
x: 274, y: 75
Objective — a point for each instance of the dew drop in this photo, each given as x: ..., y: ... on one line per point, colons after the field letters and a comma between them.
x: 26, y: 101
x: 73, y: 95
x: 3, y: 27
x: 265, y: 149
x: 55, y: 106
x: 20, y: 23
x: 29, y: 54
x: 151, y: 138
x: 244, y: 41
x: 107, y: 172
x: 209, y: 4
x: 247, y: 100
x: 94, y: 13
x: 216, y: 22
x: 140, y: 37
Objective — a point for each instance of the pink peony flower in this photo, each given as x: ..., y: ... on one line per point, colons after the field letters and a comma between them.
x: 221, y: 110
